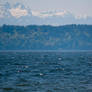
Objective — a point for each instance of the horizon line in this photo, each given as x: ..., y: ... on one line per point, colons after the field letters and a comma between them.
x: 46, y: 25
x: 46, y: 51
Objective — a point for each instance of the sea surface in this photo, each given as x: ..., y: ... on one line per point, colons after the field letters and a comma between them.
x: 45, y: 71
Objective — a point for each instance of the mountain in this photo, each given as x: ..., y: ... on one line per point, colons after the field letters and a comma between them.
x: 32, y: 37
x: 21, y: 15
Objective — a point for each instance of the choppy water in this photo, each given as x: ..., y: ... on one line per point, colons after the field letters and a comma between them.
x: 45, y: 72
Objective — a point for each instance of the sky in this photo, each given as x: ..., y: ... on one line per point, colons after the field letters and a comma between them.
x: 77, y: 7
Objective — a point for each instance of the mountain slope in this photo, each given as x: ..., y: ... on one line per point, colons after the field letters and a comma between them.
x: 69, y: 37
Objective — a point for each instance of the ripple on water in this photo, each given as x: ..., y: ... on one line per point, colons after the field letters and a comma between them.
x: 46, y: 72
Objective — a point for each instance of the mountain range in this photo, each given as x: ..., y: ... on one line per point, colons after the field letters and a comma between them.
x: 18, y: 14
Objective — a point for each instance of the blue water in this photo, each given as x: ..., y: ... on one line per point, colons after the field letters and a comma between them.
x: 45, y: 71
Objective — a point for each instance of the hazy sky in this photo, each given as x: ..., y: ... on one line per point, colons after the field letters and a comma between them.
x: 77, y: 7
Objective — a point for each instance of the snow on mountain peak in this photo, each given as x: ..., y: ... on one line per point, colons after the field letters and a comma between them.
x: 18, y: 12
x: 44, y: 14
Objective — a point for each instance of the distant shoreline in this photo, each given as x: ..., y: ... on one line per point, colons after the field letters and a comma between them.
x: 46, y: 51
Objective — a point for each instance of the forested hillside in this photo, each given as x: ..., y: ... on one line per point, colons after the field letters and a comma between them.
x: 32, y: 37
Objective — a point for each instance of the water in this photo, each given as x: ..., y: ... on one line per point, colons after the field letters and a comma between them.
x: 45, y: 71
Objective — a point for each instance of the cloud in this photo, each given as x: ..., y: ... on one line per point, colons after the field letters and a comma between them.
x: 18, y: 12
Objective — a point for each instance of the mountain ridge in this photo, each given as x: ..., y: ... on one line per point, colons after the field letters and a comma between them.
x: 21, y: 15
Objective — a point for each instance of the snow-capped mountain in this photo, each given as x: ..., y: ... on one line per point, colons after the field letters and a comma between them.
x: 20, y: 15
